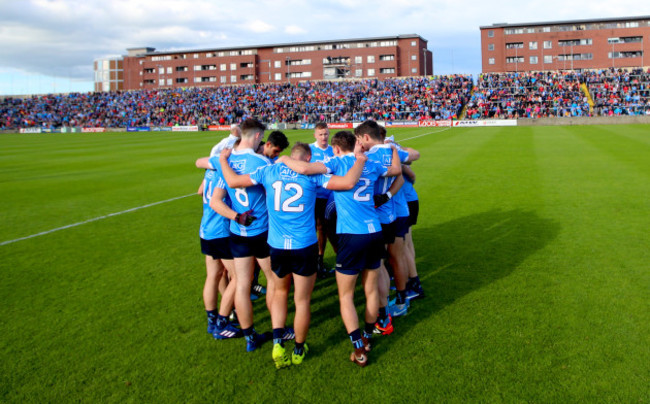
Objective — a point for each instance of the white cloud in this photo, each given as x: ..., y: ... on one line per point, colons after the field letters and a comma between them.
x: 294, y: 30
x: 258, y: 27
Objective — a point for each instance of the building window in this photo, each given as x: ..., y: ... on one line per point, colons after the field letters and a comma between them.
x: 233, y: 66
x: 196, y: 56
x: 371, y: 59
x: 575, y: 42
x: 386, y: 57
x: 532, y: 45
x: 197, y: 79
x: 222, y: 67
x: 548, y: 44
x: 387, y: 70
x: 513, y: 59
x: 413, y: 43
x: 491, y: 34
x: 548, y: 59
x: 414, y: 57
x: 491, y: 61
x: 277, y: 64
x: 491, y: 47
x: 371, y: 72
x: 278, y: 76
x: 515, y: 45
x: 533, y: 60
x: 358, y: 72
x: 414, y: 70
x: 233, y: 79
x: 223, y: 79
x: 358, y: 59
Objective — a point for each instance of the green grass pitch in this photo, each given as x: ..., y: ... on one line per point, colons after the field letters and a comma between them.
x: 532, y: 244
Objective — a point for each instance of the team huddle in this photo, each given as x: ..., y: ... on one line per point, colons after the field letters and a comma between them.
x: 277, y: 214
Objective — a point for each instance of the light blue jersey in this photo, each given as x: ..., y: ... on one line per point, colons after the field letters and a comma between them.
x: 213, y: 225
x: 383, y: 154
x: 290, y: 200
x: 356, y: 213
x: 409, y: 191
x: 244, y: 199
x: 321, y: 155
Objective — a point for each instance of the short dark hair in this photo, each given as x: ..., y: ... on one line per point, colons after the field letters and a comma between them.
x: 279, y: 139
x: 370, y: 128
x: 382, y: 132
x: 302, y: 148
x: 320, y: 125
x: 345, y: 140
x: 251, y: 127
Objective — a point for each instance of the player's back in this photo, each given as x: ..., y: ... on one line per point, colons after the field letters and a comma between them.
x: 321, y: 155
x: 356, y: 213
x: 242, y: 162
x: 290, y: 199
x: 383, y: 154
x: 213, y: 225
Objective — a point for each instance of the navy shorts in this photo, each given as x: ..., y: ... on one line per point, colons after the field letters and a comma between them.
x: 303, y: 262
x: 255, y: 246
x: 389, y: 230
x: 358, y: 252
x: 319, y: 208
x: 401, y: 226
x: 414, y: 210
x: 218, y: 248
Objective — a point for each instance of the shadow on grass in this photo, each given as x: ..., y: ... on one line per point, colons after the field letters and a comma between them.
x: 455, y: 258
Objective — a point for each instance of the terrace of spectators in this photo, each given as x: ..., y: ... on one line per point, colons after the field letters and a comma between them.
x: 438, y: 97
x: 495, y: 96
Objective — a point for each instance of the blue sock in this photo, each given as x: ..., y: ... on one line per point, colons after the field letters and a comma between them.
x: 300, y: 347
x: 277, y: 336
x: 249, y: 333
x: 212, y: 316
x: 383, y: 314
x: 401, y: 297
x: 355, y: 337
x: 415, y: 281
x: 222, y: 321
x: 368, y: 330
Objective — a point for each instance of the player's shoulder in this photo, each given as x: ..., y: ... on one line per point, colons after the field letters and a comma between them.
x: 249, y: 154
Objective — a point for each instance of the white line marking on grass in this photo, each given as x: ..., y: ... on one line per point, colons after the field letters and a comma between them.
x: 94, y: 219
x: 430, y: 133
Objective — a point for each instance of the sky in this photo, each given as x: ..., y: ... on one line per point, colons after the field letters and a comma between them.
x: 48, y: 46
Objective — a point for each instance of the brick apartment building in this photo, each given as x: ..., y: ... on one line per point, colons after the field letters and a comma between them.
x: 382, y: 57
x: 566, y: 45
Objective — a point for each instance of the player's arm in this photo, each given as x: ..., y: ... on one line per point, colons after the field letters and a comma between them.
x: 395, y: 167
x: 201, y: 188
x: 218, y: 205
x: 349, y: 180
x: 303, y: 167
x: 408, y: 173
x: 233, y: 179
x: 204, y: 162
x: 413, y: 154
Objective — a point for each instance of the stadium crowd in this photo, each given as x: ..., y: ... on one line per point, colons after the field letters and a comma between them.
x: 608, y: 92
x: 619, y: 92
x: 527, y: 95
x: 439, y: 97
